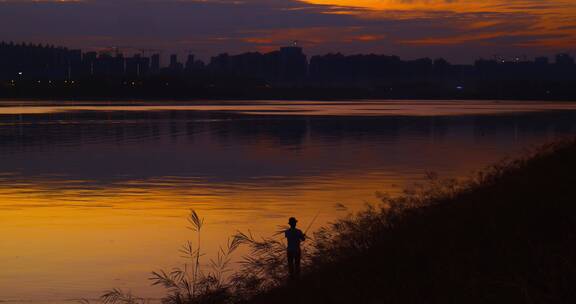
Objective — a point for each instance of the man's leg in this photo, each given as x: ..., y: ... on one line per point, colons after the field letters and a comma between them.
x: 291, y: 261
x: 297, y: 257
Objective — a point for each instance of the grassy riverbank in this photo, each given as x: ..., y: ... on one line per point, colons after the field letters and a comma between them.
x: 506, y: 236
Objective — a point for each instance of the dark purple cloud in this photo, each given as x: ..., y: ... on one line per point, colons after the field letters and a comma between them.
x: 459, y: 30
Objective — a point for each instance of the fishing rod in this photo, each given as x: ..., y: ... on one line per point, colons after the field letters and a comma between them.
x: 312, y: 222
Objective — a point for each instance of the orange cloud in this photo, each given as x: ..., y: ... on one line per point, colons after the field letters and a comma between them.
x: 554, y: 22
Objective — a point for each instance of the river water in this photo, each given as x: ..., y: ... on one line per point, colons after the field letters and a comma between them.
x: 94, y: 195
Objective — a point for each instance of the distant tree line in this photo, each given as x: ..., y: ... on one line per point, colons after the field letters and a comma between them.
x: 28, y: 71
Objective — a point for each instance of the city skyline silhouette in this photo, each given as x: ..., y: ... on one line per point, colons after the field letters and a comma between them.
x: 29, y: 70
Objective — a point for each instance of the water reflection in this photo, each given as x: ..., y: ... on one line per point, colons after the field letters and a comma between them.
x: 96, y: 199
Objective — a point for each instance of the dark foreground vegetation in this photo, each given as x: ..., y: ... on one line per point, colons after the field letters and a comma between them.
x: 506, y: 235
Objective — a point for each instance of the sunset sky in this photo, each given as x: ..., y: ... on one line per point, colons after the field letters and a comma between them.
x: 460, y: 30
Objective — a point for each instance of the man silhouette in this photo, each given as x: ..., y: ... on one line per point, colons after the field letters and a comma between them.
x: 294, y: 236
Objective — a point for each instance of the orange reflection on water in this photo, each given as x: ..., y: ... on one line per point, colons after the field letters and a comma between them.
x: 71, y: 242
x: 67, y: 239
x: 316, y: 108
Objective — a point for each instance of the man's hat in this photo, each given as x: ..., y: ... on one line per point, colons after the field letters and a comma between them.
x: 292, y: 220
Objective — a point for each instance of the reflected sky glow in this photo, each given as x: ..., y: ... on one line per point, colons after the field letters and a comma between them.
x: 334, y: 108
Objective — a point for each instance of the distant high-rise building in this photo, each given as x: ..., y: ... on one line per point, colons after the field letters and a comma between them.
x: 293, y: 64
x: 155, y: 63
x: 173, y: 60
x: 89, y: 62
x: 144, y: 66
x: 564, y: 59
x: 119, y: 64
x: 174, y: 64
x: 74, y: 64
x: 108, y: 66
x: 541, y: 60
x: 220, y: 64
x: 137, y: 66
x: 190, y: 62
x: 271, y: 65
